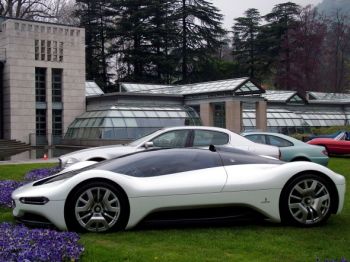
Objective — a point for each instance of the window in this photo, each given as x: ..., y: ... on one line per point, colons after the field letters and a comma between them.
x: 163, y: 162
x: 43, y: 50
x: 60, y: 51
x: 176, y: 138
x: 49, y: 50
x: 54, y: 52
x: 57, y: 122
x: 219, y: 115
x: 257, y: 138
x: 56, y: 85
x: 37, y: 50
x: 206, y: 138
x: 16, y: 26
x: 40, y: 122
x: 40, y: 84
x: 279, y: 142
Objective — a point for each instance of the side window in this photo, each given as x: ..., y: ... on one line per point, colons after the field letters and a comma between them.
x: 163, y: 162
x: 257, y: 138
x: 177, y: 138
x: 279, y: 142
x: 206, y: 138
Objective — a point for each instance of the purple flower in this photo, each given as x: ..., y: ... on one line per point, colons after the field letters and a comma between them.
x: 19, y: 243
x: 37, y: 174
x: 6, y: 189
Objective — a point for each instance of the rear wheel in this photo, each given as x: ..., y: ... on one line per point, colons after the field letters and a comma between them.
x: 306, y: 201
x: 97, y: 207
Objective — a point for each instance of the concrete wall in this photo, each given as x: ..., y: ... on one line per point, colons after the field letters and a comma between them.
x: 18, y: 38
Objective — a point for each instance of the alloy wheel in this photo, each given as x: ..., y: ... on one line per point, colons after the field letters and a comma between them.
x: 309, y: 201
x: 97, y: 209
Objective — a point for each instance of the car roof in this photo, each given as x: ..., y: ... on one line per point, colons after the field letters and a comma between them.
x: 198, y: 127
x: 272, y: 134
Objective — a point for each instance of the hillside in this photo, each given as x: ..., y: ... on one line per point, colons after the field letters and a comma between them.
x: 329, y: 7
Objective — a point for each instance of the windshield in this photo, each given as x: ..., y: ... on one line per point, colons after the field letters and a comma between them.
x: 341, y: 136
x: 143, y: 139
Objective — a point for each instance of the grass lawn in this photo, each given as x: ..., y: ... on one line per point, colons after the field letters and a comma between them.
x: 237, y: 242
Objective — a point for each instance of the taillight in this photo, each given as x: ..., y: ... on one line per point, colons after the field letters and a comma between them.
x: 325, y: 152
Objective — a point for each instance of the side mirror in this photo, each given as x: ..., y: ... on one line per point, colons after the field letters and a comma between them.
x: 148, y: 145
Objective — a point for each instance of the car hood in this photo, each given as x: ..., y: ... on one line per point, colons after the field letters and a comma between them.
x: 103, y: 152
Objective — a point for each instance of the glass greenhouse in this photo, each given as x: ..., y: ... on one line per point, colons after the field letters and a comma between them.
x: 129, y: 122
x: 278, y: 120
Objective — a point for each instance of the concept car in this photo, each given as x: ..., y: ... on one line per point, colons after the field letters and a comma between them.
x: 180, y: 184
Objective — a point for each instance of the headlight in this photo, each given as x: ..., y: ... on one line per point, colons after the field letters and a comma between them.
x: 69, y: 162
x: 34, y: 200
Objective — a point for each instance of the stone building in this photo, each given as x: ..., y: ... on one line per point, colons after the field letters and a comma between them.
x: 42, y: 79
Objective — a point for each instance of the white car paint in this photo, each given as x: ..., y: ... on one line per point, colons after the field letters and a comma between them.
x: 255, y: 185
x: 108, y: 152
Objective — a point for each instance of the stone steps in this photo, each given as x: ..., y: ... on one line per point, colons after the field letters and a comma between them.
x: 12, y: 145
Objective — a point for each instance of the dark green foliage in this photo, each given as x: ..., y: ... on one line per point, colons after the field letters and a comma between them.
x: 246, y: 43
x: 160, y: 41
x: 98, y: 19
x: 283, y: 17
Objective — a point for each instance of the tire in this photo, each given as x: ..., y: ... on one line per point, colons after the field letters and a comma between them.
x: 97, y: 206
x: 300, y: 159
x: 306, y: 201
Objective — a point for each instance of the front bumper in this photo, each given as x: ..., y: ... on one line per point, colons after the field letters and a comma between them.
x: 52, y: 213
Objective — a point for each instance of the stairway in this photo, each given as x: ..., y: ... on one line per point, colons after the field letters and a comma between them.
x: 12, y: 145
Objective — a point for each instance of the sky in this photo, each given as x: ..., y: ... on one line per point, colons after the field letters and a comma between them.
x: 235, y: 8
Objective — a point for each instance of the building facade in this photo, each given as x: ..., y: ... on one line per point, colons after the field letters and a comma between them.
x: 42, y: 79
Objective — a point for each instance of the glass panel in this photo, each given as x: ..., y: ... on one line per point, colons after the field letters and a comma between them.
x: 162, y: 114
x: 151, y: 114
x: 118, y: 122
x: 130, y: 122
x: 176, y: 138
x: 127, y: 113
x: 206, y: 138
x: 279, y: 142
x: 139, y: 114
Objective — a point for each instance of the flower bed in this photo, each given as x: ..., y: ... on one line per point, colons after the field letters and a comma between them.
x: 37, y: 174
x: 19, y: 243
x: 6, y: 189
x: 8, y: 186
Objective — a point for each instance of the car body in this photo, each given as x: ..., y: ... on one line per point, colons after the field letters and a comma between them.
x: 333, y: 135
x: 185, y: 136
x: 168, y: 183
x: 291, y: 149
x: 340, y: 145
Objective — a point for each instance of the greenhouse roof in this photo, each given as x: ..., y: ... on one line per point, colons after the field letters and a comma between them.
x: 238, y: 85
x: 320, y: 97
x: 283, y: 96
x: 92, y: 89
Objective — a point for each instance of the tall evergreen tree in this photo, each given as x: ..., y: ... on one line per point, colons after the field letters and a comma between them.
x: 97, y: 18
x: 246, y: 42
x: 282, y: 18
x: 200, y: 29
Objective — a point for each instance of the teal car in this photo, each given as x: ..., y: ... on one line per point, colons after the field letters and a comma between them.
x: 291, y: 149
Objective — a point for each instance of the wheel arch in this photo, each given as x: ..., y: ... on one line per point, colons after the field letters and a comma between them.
x: 333, y: 188
x: 111, y: 182
x: 300, y: 158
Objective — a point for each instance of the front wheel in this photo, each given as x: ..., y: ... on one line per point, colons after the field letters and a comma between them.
x: 306, y: 201
x: 97, y: 207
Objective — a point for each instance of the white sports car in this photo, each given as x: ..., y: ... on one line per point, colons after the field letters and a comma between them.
x: 173, y: 137
x: 181, y: 184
